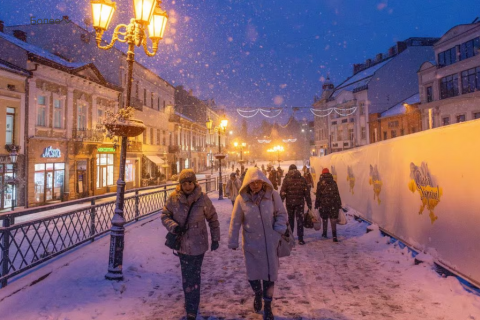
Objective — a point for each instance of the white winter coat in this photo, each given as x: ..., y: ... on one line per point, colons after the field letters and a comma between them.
x: 232, y: 188
x: 262, y: 227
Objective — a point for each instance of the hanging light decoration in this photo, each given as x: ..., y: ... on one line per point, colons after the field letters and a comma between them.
x: 344, y: 112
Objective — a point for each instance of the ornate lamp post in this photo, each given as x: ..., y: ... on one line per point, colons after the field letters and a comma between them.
x: 241, y: 161
x: 222, y: 128
x: 277, y: 149
x: 148, y: 14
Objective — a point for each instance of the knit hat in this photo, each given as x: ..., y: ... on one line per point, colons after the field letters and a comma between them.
x: 187, y: 175
x: 325, y: 170
x: 292, y: 167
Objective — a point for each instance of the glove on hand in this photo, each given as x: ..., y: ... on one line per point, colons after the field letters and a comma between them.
x: 179, y: 230
x: 214, y: 245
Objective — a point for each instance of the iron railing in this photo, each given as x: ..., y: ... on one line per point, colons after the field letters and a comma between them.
x: 27, y: 241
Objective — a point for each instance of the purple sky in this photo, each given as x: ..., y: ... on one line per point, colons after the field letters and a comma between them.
x: 269, y: 53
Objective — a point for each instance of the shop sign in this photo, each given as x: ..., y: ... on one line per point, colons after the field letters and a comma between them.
x: 49, y: 152
x: 106, y: 149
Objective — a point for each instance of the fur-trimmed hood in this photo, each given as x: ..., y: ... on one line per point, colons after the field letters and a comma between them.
x: 254, y: 174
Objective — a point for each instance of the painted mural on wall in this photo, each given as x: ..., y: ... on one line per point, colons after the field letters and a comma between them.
x: 430, y: 192
x: 350, y: 178
x: 333, y: 171
x: 376, y: 182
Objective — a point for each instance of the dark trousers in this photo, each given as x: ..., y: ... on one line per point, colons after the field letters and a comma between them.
x: 268, y: 287
x: 191, y: 276
x: 296, y: 211
x: 333, y: 223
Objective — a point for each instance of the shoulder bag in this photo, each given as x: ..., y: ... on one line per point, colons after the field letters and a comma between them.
x: 174, y: 240
x: 287, y: 241
x: 342, y: 218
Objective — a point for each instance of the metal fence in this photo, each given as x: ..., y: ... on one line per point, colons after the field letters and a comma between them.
x: 24, y: 245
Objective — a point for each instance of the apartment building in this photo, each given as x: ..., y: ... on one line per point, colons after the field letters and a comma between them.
x: 342, y: 112
x: 449, y: 84
x: 67, y: 152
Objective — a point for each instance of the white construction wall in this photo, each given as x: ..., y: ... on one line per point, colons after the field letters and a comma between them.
x: 424, y: 188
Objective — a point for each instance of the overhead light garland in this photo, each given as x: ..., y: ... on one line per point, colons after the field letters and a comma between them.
x: 344, y: 112
x: 272, y: 113
x: 264, y: 141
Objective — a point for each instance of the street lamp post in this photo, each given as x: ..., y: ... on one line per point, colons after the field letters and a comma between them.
x: 277, y: 149
x: 148, y: 14
x: 241, y: 145
x: 222, y: 128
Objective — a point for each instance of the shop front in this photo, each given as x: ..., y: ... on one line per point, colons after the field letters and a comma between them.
x: 47, y: 168
x: 106, y: 169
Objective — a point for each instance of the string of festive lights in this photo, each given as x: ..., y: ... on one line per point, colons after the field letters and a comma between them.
x: 344, y: 112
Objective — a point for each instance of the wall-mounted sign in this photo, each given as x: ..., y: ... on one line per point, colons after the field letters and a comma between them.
x: 49, y: 152
x: 106, y: 149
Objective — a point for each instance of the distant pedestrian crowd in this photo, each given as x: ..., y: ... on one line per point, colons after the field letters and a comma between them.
x: 267, y: 218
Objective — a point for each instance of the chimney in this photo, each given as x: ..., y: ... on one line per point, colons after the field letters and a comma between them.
x: 65, y: 18
x: 2, y: 24
x: 379, y: 57
x: 20, y: 35
x: 401, y: 46
x: 356, y: 67
x: 368, y: 63
x: 391, y: 51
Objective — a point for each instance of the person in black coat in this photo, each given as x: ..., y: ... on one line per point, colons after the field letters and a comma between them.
x: 296, y: 192
x: 328, y: 202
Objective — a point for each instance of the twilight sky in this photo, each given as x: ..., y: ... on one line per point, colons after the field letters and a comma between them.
x: 268, y: 53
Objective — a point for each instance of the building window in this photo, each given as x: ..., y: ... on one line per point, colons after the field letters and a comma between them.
x: 344, y: 120
x: 104, y: 170
x: 429, y: 94
x: 57, y: 113
x: 158, y: 104
x: 364, y: 132
x: 470, y: 48
x: 384, y: 135
x: 476, y: 115
x: 413, y: 130
x: 340, y: 135
x: 10, y: 126
x: 362, y: 108
x: 460, y: 118
x: 164, y: 142
x: 129, y: 171
x: 42, y: 111
x: 164, y: 105
x: 151, y: 136
x: 49, y: 181
x: 445, y: 121
x: 144, y: 97
x: 334, y: 123
x: 145, y: 137
x: 393, y: 133
x: 471, y: 80
x: 350, y: 134
x: 393, y: 124
x: 151, y: 100
x: 81, y: 117
x: 158, y: 136
x: 449, y: 86
x: 402, y: 132
x: 447, y: 57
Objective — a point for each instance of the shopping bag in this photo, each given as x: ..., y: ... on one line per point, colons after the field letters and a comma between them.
x: 286, y: 243
x: 308, y: 220
x: 342, y: 217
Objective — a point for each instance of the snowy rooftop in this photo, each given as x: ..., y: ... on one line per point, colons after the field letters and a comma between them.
x: 400, y: 107
x: 362, y: 277
x: 40, y: 52
x: 9, y: 67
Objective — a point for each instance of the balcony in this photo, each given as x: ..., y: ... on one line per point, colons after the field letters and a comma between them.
x: 136, y: 103
x: 88, y: 135
x: 173, y: 149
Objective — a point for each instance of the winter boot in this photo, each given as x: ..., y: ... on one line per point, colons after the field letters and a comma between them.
x: 191, y: 316
x: 334, y: 234
x: 257, y: 302
x: 301, y: 242
x: 324, y: 224
x: 267, y: 312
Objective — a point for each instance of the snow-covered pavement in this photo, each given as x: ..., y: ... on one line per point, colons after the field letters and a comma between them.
x: 362, y: 277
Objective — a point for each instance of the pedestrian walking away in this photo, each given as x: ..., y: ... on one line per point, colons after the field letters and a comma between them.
x: 259, y: 211
x: 188, y: 200
x: 308, y: 177
x: 295, y: 192
x: 279, y: 175
x: 328, y: 202
x: 233, y: 187
x: 272, y: 176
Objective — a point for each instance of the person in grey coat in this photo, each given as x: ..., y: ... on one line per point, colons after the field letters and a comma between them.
x: 259, y: 211
x: 233, y: 187
x: 194, y: 241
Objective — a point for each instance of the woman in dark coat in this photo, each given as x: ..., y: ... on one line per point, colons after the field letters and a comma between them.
x: 194, y: 242
x: 328, y: 202
x: 272, y: 176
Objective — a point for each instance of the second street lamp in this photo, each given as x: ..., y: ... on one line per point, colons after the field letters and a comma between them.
x: 222, y: 128
x: 148, y: 14
x: 277, y: 149
x: 241, y: 145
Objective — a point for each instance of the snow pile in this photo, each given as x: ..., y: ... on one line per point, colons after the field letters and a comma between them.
x: 365, y: 276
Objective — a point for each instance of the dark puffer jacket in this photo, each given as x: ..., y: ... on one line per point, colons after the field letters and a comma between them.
x: 272, y: 176
x: 328, y: 199
x: 295, y: 190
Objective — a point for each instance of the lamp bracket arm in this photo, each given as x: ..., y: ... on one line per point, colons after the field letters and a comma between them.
x: 115, y: 37
x: 154, y: 47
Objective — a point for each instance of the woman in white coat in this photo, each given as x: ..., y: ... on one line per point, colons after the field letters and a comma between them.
x: 260, y: 212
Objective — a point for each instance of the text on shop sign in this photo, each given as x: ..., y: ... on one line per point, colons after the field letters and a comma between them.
x: 49, y: 152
